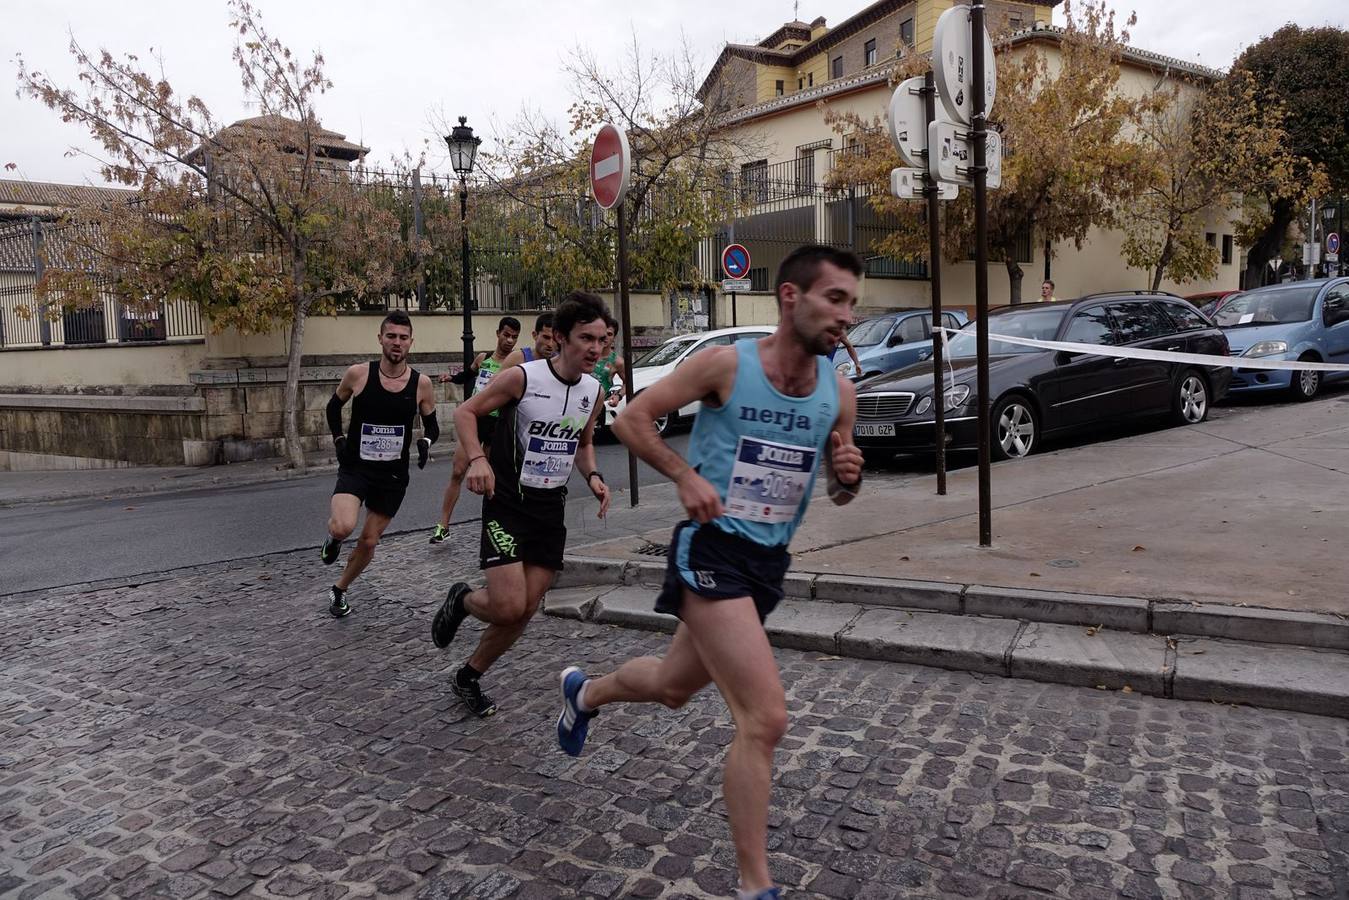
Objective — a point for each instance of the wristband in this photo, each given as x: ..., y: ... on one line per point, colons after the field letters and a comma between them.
x: 596, y: 474
x: 476, y: 458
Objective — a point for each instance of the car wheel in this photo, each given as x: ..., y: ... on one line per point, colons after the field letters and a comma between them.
x: 1015, y: 430
x: 1189, y: 402
x: 1306, y: 382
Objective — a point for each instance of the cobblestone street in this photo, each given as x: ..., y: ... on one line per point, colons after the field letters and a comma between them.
x: 213, y: 731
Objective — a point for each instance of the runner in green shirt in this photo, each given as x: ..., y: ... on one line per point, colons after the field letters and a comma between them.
x: 610, y: 364
x: 484, y: 367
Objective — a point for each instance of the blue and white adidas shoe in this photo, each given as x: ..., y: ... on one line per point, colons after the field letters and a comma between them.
x: 573, y: 724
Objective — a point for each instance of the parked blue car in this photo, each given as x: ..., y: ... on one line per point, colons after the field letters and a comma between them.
x: 893, y: 341
x: 1306, y: 320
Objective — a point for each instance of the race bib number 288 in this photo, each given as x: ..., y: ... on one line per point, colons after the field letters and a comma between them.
x: 769, y: 481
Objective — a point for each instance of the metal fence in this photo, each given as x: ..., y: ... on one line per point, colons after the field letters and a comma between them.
x: 29, y: 320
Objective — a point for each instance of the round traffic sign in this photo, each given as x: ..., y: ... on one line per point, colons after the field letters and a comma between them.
x: 1333, y: 242
x: 908, y: 122
x: 610, y: 160
x: 953, y: 65
x: 735, y: 261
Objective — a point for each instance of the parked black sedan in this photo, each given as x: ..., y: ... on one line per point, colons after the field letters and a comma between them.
x: 1039, y: 392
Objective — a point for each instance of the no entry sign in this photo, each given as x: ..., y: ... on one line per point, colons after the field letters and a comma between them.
x: 735, y: 261
x: 610, y: 160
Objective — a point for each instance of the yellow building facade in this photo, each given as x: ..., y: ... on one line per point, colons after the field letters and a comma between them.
x: 780, y: 90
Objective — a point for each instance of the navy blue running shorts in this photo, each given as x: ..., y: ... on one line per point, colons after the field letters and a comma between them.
x: 719, y: 565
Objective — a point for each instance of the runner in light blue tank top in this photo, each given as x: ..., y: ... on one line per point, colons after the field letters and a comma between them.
x: 772, y: 411
x: 761, y: 449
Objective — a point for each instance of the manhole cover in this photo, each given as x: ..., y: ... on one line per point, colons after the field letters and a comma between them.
x: 650, y: 549
x: 1064, y: 563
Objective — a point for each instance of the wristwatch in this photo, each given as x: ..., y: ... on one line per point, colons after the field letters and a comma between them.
x: 596, y: 474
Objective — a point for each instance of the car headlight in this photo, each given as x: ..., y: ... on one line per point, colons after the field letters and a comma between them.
x: 923, y: 406
x: 844, y: 368
x: 957, y: 396
x: 1267, y: 348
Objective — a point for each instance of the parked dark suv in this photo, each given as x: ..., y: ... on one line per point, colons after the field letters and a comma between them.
x: 1039, y: 392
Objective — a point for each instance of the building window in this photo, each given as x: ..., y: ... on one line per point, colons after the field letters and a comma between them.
x: 906, y: 33
x: 869, y: 50
x: 805, y: 170
x: 800, y: 83
x: 778, y: 88
x: 1227, y: 249
x: 1211, y: 239
x: 754, y: 181
x: 1014, y: 23
x: 836, y: 67
x: 810, y: 79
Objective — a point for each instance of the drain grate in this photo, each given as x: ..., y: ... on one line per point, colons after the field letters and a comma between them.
x: 650, y: 549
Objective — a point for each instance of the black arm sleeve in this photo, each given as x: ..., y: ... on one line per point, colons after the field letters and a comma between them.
x: 335, y: 405
x: 430, y: 427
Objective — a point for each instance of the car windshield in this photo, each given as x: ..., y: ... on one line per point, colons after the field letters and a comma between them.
x: 667, y: 352
x: 870, y: 333
x: 1040, y: 324
x: 1268, y: 307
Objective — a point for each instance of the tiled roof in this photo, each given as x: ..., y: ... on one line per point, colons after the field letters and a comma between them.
x: 46, y: 196
x: 1146, y: 58
x: 330, y: 143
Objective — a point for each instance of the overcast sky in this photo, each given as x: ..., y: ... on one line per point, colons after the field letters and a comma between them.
x: 396, y: 63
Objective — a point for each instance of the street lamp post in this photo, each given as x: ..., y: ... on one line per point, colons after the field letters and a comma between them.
x: 463, y: 146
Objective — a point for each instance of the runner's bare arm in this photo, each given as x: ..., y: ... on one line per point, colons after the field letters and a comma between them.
x: 586, y: 462
x: 514, y: 358
x: 426, y: 396
x: 710, y: 381
x: 353, y: 379
x: 852, y: 354
x: 843, y: 462
x: 477, y: 364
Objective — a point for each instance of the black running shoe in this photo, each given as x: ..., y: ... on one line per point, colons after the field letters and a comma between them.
x: 331, y: 547
x: 451, y: 613
x: 471, y: 693
x: 337, y: 602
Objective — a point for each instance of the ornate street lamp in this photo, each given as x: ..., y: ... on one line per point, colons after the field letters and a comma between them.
x: 463, y: 146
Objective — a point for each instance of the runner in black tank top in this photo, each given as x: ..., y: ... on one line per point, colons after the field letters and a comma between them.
x: 545, y: 429
x: 372, y: 454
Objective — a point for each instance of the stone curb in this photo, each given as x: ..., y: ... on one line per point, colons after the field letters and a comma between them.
x: 1136, y: 615
x: 1274, y: 676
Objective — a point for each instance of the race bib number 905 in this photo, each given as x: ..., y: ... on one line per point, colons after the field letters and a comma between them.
x: 769, y: 481
x: 381, y: 443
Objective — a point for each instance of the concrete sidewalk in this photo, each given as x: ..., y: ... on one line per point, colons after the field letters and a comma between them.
x: 1202, y: 562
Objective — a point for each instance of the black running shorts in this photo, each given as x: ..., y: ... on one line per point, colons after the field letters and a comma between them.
x: 381, y: 492
x: 719, y: 565
x: 529, y: 531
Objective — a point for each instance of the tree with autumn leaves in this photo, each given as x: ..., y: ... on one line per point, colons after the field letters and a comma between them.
x: 254, y: 222
x: 1069, y: 165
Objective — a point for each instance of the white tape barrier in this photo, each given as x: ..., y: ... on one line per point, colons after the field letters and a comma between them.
x: 1200, y: 359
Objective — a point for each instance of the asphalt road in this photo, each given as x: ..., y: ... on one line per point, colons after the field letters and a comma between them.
x: 53, y: 544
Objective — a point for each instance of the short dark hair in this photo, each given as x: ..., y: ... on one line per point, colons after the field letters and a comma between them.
x: 610, y: 321
x: 508, y: 322
x: 396, y: 317
x: 1047, y: 281
x: 579, y: 308
x: 545, y: 320
x: 802, y: 265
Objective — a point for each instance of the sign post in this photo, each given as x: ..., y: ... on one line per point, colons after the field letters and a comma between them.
x: 735, y: 266
x: 981, y: 97
x: 610, y: 164
x: 933, y: 191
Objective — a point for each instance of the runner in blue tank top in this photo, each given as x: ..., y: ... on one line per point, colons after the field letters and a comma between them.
x: 772, y: 411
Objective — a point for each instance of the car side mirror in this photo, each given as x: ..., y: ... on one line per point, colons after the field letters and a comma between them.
x: 1063, y: 357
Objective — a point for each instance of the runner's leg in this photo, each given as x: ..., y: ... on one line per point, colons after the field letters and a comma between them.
x: 509, y: 601
x: 669, y: 680
x: 732, y: 644
x: 343, y: 511
x: 451, y: 496
x: 375, y: 523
